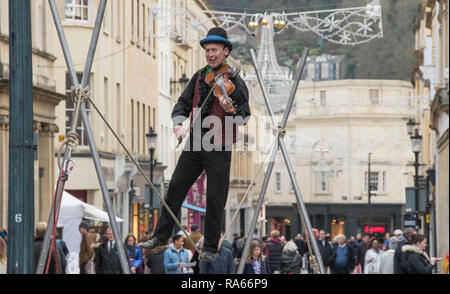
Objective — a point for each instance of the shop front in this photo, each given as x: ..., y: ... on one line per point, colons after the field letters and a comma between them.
x: 347, y: 219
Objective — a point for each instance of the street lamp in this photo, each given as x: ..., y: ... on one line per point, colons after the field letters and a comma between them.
x: 151, y: 137
x: 410, y: 126
x: 416, y: 142
x: 182, y: 81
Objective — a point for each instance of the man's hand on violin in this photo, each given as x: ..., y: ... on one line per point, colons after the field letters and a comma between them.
x: 180, y: 132
x: 227, y: 107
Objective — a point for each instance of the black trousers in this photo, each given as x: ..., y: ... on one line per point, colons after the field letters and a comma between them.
x: 189, y: 167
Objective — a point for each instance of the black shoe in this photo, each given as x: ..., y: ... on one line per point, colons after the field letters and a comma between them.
x: 153, y: 243
x: 209, y: 256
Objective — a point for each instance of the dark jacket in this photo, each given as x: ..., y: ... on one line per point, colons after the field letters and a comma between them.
x: 52, y: 266
x: 183, y: 107
x: 302, y: 246
x: 290, y: 263
x: 399, y: 257
x: 155, y: 261
x: 265, y: 269
x: 325, y: 252
x: 107, y: 261
x: 361, y: 254
x: 415, y: 262
x: 63, y: 246
x: 350, y: 258
x: 222, y: 265
x: 274, y: 251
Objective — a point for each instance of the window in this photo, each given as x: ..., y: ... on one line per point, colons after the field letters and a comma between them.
x: 147, y: 33
x: 374, y: 181
x: 143, y: 128
x: 144, y: 23
x: 138, y: 23
x: 374, y: 97
x: 132, y: 20
x: 332, y: 71
x: 138, y: 106
x: 118, y: 22
x: 44, y: 26
x: 106, y: 108
x: 278, y: 182
x: 70, y: 109
x: 322, y: 186
x: 132, y: 125
x: 323, y: 97
x: 77, y: 10
x: 149, y: 117
x: 154, y: 34
x: 154, y: 117
x: 118, y: 111
x: 317, y: 71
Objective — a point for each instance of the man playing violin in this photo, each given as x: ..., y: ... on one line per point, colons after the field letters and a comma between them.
x: 216, y: 162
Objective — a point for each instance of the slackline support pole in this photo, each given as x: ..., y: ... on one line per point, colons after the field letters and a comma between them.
x: 93, y: 149
x: 21, y: 162
x: 300, y: 204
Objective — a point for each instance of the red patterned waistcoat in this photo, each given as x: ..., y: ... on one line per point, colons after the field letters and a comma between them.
x: 215, y: 109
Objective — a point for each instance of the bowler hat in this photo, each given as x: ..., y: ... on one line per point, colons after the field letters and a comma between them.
x: 217, y: 35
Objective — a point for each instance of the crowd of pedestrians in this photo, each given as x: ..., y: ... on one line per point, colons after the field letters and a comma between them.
x: 403, y: 253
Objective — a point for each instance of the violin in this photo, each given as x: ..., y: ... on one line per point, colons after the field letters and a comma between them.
x: 220, y: 81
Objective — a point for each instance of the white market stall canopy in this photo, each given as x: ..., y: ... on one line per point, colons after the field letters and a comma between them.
x: 71, y: 214
x: 73, y: 207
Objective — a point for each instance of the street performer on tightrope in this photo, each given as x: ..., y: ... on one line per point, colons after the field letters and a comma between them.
x: 215, y: 114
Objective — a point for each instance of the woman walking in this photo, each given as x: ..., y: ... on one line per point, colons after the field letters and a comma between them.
x: 134, y: 254
x: 416, y: 260
x: 290, y: 259
x: 256, y: 262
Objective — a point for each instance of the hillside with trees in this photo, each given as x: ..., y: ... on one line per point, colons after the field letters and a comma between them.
x: 387, y: 58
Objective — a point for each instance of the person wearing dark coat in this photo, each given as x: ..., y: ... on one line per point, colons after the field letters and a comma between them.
x: 107, y: 260
x: 301, y: 244
x: 274, y: 251
x: 197, y: 155
x: 290, y: 259
x: 222, y: 265
x: 155, y: 260
x: 38, y: 241
x: 256, y: 263
x: 234, y: 244
x: 399, y: 255
x: 361, y: 251
x: 342, y: 259
x: 416, y: 260
x: 325, y: 249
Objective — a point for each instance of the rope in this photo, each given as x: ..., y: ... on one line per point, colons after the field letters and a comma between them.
x: 142, y: 173
x: 79, y: 95
x: 312, y: 257
x: 55, y: 220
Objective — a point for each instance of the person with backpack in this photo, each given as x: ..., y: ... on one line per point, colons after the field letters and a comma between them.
x: 404, y: 239
x: 274, y: 251
x: 290, y: 259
